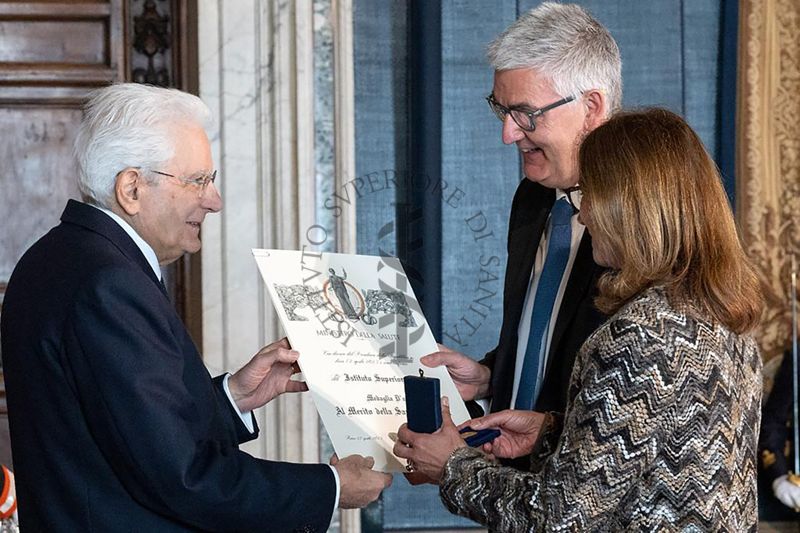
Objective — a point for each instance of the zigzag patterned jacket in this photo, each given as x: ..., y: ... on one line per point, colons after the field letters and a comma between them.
x: 659, y: 434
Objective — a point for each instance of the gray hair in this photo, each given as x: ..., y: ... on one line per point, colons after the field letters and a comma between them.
x: 129, y: 125
x: 567, y: 45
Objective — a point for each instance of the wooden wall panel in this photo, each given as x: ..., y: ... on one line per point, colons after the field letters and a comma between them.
x: 53, y: 42
x: 52, y: 54
x: 59, y: 50
x: 39, y: 171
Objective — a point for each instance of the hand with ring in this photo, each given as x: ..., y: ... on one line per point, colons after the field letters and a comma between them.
x: 427, y: 453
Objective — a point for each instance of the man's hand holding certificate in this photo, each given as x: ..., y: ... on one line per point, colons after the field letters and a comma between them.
x: 359, y: 330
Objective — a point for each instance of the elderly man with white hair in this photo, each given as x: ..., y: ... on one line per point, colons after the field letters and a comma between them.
x: 115, y: 422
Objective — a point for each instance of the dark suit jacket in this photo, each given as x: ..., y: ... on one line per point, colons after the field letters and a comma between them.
x: 577, y: 317
x: 776, y: 424
x: 116, y: 424
x: 775, y: 446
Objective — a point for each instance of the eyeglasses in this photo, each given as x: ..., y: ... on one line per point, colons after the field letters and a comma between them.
x: 573, y: 195
x: 200, y: 180
x: 524, y: 117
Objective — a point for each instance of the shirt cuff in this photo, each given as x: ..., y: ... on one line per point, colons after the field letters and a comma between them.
x: 484, y: 404
x: 247, y: 418
x: 336, y: 501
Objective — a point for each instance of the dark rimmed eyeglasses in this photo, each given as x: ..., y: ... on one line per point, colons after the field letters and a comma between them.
x: 200, y: 180
x: 524, y: 117
x: 573, y: 196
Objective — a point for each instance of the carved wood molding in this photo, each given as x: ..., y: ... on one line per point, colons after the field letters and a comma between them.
x: 163, y: 43
x: 768, y: 155
x: 152, y: 43
x: 53, y: 53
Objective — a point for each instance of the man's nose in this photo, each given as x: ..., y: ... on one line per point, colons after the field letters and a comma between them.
x: 211, y: 198
x: 511, y: 131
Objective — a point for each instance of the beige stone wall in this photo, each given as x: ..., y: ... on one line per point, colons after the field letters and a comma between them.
x: 257, y: 73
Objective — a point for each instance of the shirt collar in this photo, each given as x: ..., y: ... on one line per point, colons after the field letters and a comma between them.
x: 147, y: 251
x: 577, y: 195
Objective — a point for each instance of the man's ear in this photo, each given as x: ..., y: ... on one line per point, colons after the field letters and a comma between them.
x: 127, y: 190
x: 597, y: 110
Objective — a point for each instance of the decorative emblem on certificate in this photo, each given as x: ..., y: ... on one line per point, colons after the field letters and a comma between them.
x: 359, y: 330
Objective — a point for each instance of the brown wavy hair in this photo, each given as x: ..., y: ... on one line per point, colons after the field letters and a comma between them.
x: 658, y: 205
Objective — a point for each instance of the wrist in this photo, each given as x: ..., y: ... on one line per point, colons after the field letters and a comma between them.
x: 236, y: 392
x: 548, y: 420
x: 455, y: 450
x: 485, y: 388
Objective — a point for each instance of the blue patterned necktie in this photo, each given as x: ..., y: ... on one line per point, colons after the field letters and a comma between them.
x: 549, y: 281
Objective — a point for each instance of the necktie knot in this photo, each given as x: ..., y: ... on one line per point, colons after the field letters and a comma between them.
x: 561, y: 212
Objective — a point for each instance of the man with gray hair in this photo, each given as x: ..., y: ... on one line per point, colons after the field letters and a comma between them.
x: 115, y: 422
x: 557, y: 77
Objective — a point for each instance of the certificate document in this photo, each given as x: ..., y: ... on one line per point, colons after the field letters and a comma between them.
x: 359, y: 330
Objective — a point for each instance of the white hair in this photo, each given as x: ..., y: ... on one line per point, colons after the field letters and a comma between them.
x: 567, y: 45
x: 129, y: 125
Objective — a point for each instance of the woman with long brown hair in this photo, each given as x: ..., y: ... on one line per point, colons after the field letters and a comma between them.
x: 661, y: 427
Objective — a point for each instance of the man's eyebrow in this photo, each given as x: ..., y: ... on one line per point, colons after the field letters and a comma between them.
x: 520, y: 105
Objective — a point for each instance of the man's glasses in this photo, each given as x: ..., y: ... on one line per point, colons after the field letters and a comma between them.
x: 200, y: 180
x: 524, y: 117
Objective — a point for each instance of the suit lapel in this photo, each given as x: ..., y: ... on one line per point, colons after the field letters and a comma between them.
x: 529, y: 212
x: 95, y: 220
x: 524, y: 243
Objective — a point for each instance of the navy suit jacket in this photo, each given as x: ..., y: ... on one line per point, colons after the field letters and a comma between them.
x: 116, y: 424
x: 577, y: 317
